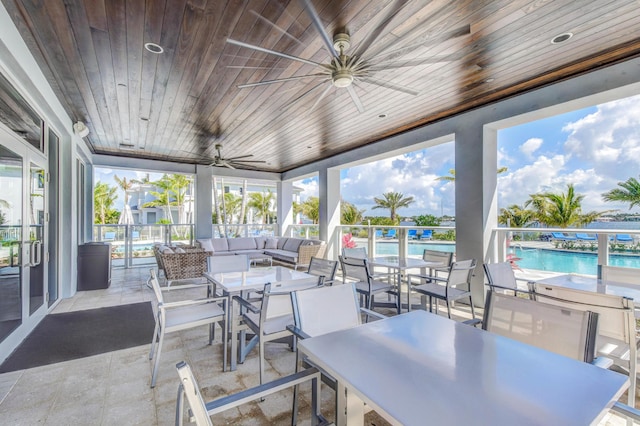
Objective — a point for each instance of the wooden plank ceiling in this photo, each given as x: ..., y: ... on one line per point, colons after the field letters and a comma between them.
x: 177, y: 105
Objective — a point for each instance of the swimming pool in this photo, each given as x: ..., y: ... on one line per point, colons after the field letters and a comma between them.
x: 531, y: 258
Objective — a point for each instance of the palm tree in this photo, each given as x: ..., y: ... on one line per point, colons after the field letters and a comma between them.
x: 629, y: 192
x: 179, y: 185
x: 231, y: 206
x: 516, y: 216
x: 261, y: 203
x: 163, y: 197
x: 392, y: 201
x: 125, y: 185
x: 452, y: 174
x: 561, y: 209
x: 349, y: 214
x: 103, y: 198
x: 311, y: 209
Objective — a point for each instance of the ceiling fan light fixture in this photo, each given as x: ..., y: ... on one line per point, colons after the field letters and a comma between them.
x: 342, y: 78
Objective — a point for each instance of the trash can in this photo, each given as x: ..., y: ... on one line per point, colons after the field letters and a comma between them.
x: 94, y: 266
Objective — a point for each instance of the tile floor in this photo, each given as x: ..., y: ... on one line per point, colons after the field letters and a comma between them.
x: 113, y: 388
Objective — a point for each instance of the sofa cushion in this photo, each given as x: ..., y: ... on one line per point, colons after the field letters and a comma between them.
x: 281, y: 243
x: 206, y: 244
x: 251, y: 253
x: 241, y: 244
x: 293, y: 244
x: 271, y: 243
x: 260, y: 242
x: 220, y: 244
x: 223, y: 253
x: 283, y: 255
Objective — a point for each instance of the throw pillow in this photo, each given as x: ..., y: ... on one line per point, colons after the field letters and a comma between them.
x: 167, y: 250
x: 272, y: 243
x: 206, y: 244
x: 179, y: 250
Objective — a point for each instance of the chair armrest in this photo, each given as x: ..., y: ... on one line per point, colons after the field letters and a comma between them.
x: 627, y: 411
x: 425, y: 277
x: 297, y: 332
x: 194, y: 302
x: 246, y: 304
x: 473, y: 322
x: 185, y: 286
x: 372, y: 313
x: 602, y: 362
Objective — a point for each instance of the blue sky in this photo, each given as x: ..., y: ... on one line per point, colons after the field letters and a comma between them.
x: 593, y: 148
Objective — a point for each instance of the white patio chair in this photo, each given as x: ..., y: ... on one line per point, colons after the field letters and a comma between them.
x: 445, y: 258
x: 200, y: 412
x: 355, y: 252
x: 367, y: 285
x: 269, y: 321
x: 616, y: 331
x: 183, y: 315
x: 456, y: 286
x: 220, y: 264
x: 323, y: 310
x: 502, y: 279
x: 323, y: 268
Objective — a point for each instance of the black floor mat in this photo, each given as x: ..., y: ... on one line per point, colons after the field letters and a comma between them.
x: 73, y: 335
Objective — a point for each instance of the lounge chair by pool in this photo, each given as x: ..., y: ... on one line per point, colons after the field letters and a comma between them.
x: 561, y: 236
x: 378, y: 233
x: 109, y: 236
x: 624, y: 238
x: 585, y: 237
x: 427, y: 234
x: 412, y: 234
x: 391, y: 233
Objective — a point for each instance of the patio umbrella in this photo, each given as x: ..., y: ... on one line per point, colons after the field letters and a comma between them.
x: 126, y: 217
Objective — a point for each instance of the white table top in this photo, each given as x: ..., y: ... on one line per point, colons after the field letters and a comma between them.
x: 419, y: 368
x: 402, y: 263
x: 592, y: 284
x: 255, y: 278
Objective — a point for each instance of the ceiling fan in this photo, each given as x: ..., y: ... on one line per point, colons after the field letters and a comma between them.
x: 232, y: 162
x: 364, y: 62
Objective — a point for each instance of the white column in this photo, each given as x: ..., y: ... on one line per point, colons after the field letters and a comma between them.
x: 476, y: 197
x: 285, y: 207
x: 203, y: 201
x: 329, y: 183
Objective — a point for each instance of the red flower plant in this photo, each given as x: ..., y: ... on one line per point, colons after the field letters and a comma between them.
x: 347, y: 241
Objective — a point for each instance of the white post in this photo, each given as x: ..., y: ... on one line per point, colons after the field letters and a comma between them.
x: 285, y: 207
x: 329, y: 182
x: 203, y: 201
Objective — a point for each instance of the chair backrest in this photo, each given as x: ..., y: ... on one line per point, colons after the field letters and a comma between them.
x: 460, y: 273
x: 500, y: 276
x: 355, y: 268
x: 237, y: 263
x: 276, y: 298
x: 155, y: 285
x: 563, y: 330
x: 355, y: 252
x: 616, y: 312
x: 621, y: 275
x: 323, y: 310
x: 323, y: 267
x: 191, y: 390
x: 446, y: 258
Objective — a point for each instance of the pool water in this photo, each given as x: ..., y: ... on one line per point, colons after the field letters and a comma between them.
x: 530, y: 258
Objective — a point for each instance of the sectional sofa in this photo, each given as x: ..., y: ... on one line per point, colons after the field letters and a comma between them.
x: 293, y: 251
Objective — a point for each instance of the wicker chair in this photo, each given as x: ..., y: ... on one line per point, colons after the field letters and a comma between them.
x: 190, y: 265
x: 305, y: 253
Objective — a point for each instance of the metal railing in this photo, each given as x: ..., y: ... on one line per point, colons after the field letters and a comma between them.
x: 244, y: 230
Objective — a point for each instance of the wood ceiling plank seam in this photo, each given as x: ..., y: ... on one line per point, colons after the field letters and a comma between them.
x: 107, y: 77
x: 63, y: 21
x: 117, y: 23
x: 192, y: 22
x: 135, y: 50
x: 96, y: 14
x: 171, y: 22
x: 39, y: 18
x: 212, y: 12
x: 216, y: 85
x: 153, y: 17
x: 206, y: 71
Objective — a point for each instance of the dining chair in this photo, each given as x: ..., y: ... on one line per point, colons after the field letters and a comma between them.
x: 355, y: 252
x: 562, y: 330
x: 183, y: 315
x: 502, y: 279
x: 325, y: 268
x: 367, y: 285
x: 616, y: 338
x: 456, y: 286
x: 269, y: 321
x: 443, y: 257
x: 200, y: 412
x: 220, y: 264
x: 323, y: 310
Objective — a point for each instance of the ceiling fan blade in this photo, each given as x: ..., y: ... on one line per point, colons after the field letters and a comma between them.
x: 375, y: 32
x: 272, y: 52
x: 276, y: 27
x: 423, y: 41
x: 239, y: 156
x: 245, y: 67
x: 226, y: 164
x: 355, y: 98
x: 415, y: 62
x: 317, y: 23
x: 304, y: 95
x: 324, y: 93
x: 247, y: 161
x: 278, y: 80
x: 389, y: 85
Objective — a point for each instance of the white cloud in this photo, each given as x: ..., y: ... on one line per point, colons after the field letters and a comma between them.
x: 530, y: 146
x: 310, y: 188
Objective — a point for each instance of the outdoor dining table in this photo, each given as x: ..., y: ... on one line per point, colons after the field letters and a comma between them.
x: 401, y: 265
x: 237, y: 283
x: 595, y: 285
x: 419, y: 368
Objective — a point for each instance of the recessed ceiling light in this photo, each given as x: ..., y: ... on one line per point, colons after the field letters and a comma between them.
x: 309, y: 147
x: 490, y: 80
x: 382, y: 116
x: 153, y: 48
x: 561, y: 38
